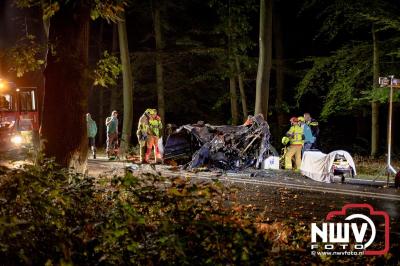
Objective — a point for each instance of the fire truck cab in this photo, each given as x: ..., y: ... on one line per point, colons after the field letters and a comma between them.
x: 19, y: 117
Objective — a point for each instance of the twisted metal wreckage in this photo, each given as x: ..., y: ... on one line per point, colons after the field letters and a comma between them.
x: 222, y: 147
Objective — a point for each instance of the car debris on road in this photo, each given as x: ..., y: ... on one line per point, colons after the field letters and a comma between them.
x: 221, y: 147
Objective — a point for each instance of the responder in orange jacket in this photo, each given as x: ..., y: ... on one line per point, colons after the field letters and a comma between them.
x: 148, y: 133
x: 296, y: 136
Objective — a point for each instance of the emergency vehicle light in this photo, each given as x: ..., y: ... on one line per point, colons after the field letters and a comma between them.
x: 17, y: 139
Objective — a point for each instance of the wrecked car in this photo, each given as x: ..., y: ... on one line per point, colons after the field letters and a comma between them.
x: 222, y: 147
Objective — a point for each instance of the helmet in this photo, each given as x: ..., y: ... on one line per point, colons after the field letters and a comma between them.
x: 293, y: 120
x: 150, y: 111
x: 300, y: 119
x: 285, y: 140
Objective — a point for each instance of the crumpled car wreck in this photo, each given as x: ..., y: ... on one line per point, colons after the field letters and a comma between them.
x: 222, y: 147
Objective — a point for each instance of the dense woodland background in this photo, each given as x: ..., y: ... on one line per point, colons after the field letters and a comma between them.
x: 196, y: 59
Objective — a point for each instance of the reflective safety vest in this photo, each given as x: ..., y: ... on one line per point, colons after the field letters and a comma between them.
x: 143, y: 126
x: 155, y: 126
x: 296, y: 135
x: 313, y: 124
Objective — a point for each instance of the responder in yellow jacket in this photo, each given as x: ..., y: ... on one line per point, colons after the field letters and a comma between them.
x: 296, y: 136
x: 148, y: 133
x: 141, y: 133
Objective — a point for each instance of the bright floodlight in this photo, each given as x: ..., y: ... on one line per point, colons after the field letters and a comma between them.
x: 17, y: 139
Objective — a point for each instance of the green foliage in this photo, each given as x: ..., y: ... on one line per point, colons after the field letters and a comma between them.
x: 50, y: 9
x: 44, y: 215
x: 341, y: 16
x: 233, y: 31
x: 25, y: 56
x: 53, y: 216
x: 26, y: 3
x: 182, y: 223
x: 106, y: 9
x: 338, y: 79
x: 344, y: 78
x: 107, y: 70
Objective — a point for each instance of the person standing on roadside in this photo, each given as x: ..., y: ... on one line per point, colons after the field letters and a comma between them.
x: 142, y: 133
x: 154, y: 134
x: 313, y: 124
x: 91, y: 133
x: 309, y: 139
x: 112, y: 133
x: 296, y: 138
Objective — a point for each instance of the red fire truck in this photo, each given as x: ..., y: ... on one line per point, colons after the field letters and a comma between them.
x: 19, y: 116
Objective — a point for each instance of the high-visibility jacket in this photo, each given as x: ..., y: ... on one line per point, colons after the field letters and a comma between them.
x: 313, y: 124
x: 155, y: 126
x: 143, y: 126
x: 296, y: 135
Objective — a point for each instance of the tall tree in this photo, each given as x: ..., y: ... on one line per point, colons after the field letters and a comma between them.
x: 242, y: 90
x: 234, y: 102
x: 159, y: 59
x: 375, y: 103
x: 46, y: 20
x: 344, y: 74
x: 127, y: 85
x: 66, y: 86
x: 100, y: 93
x: 234, y: 29
x: 232, y: 72
x: 67, y: 78
x: 115, y: 90
x: 264, y: 59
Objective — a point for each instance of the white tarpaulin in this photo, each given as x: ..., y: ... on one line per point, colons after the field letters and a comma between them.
x: 318, y: 166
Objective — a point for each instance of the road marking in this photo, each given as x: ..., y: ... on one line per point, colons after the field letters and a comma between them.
x: 294, y: 186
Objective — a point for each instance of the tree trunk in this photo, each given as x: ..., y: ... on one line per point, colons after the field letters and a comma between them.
x: 375, y: 104
x: 46, y: 29
x: 67, y: 83
x: 241, y: 88
x: 264, y: 59
x: 46, y: 21
x: 233, y: 97
x: 232, y: 72
x: 100, y: 118
x: 115, y: 91
x: 127, y: 86
x: 159, y: 60
x: 100, y: 94
x: 280, y: 76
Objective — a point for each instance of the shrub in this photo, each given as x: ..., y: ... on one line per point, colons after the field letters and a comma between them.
x: 54, y: 216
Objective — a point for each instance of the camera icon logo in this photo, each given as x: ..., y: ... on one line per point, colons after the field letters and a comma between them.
x: 352, y: 234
